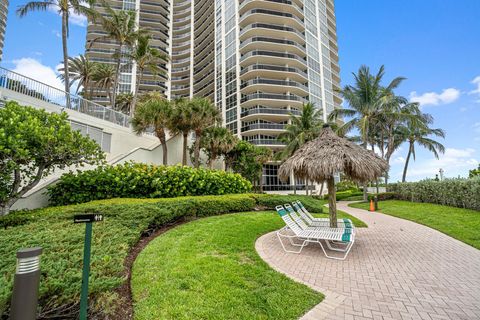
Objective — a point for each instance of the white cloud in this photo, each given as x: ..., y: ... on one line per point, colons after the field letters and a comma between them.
x: 74, y: 18
x: 398, y: 160
x: 56, y: 33
x: 433, y: 98
x: 476, y: 91
x: 454, y: 162
x: 476, y: 82
x: 34, y: 69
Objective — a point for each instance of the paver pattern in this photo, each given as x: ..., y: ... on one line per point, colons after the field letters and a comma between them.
x: 397, y: 269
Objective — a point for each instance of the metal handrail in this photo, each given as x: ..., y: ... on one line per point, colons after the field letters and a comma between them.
x: 41, y: 91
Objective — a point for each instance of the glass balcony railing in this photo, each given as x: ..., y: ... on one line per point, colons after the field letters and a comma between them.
x: 267, y: 142
x: 274, y: 54
x: 273, y: 96
x: 272, y: 27
x: 272, y: 68
x: 271, y: 111
x: 287, y: 83
x: 29, y: 87
x: 260, y: 126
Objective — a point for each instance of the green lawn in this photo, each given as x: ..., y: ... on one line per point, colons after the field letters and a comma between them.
x: 461, y: 224
x: 209, y: 269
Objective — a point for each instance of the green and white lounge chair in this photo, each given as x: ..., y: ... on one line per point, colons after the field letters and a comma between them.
x: 296, y: 216
x: 316, y: 222
x: 311, y: 221
x: 346, y: 237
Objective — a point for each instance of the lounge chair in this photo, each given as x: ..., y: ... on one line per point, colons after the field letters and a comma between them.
x: 344, y: 236
x: 305, y: 225
x: 311, y: 221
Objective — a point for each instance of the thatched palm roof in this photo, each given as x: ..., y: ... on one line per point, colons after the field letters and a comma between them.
x: 320, y: 159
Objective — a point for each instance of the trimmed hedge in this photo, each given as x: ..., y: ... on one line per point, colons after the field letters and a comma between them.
x: 125, y: 222
x: 342, y: 195
x: 382, y: 196
x: 462, y: 193
x: 138, y: 180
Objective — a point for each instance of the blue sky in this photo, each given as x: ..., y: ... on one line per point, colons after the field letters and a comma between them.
x: 433, y: 43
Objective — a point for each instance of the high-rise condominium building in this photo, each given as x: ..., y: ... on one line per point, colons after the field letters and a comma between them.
x: 258, y: 60
x: 3, y: 23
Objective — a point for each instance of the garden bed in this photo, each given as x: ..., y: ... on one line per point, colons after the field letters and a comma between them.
x: 126, y: 222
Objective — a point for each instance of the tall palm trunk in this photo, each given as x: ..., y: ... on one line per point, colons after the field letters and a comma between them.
x: 117, y: 76
x: 135, y: 94
x: 185, y: 145
x: 196, y: 152
x: 365, y: 145
x: 332, y: 202
x: 163, y: 140
x: 410, y: 151
x: 65, y: 57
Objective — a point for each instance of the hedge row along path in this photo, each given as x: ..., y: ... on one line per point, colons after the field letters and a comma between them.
x: 397, y: 269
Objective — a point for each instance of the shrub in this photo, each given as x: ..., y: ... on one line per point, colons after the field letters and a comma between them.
x: 462, y: 193
x: 125, y: 220
x: 137, y: 180
x: 346, y: 185
x: 269, y: 201
x: 382, y: 196
x: 342, y: 195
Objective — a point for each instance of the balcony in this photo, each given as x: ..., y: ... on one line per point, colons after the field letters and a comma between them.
x: 270, y: 16
x: 274, y: 86
x: 264, y: 128
x: 269, y: 111
x: 265, y: 56
x: 275, y: 71
x: 272, y: 30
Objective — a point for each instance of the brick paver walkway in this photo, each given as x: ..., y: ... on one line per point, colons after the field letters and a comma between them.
x: 397, y: 269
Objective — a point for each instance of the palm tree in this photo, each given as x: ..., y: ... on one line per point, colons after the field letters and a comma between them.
x: 205, y: 114
x: 300, y: 130
x: 63, y: 7
x: 104, y: 77
x: 153, y: 111
x: 146, y: 58
x: 120, y: 26
x: 366, y: 100
x: 181, y: 123
x: 80, y: 69
x: 217, y: 141
x: 417, y: 131
x: 124, y: 102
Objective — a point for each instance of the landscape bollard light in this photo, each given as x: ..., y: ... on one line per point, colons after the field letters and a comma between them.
x: 375, y: 200
x: 25, y: 285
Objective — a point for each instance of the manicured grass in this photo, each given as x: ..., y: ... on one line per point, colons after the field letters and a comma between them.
x: 461, y: 224
x: 209, y: 269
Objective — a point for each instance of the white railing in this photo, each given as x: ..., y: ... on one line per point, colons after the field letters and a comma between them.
x: 38, y: 90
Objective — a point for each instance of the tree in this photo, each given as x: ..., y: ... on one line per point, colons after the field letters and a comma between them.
x: 154, y: 111
x: 217, y: 141
x: 182, y: 123
x: 365, y: 99
x: 104, y: 77
x: 34, y: 143
x: 124, y: 102
x: 248, y: 160
x: 146, y: 58
x: 474, y: 172
x: 80, y: 69
x: 64, y: 8
x: 417, y: 131
x: 300, y: 130
x: 121, y: 27
x: 204, y: 115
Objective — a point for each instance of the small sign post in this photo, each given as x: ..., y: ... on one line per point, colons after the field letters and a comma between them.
x: 87, y: 219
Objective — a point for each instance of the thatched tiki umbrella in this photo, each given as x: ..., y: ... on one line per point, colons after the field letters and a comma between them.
x: 320, y: 159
